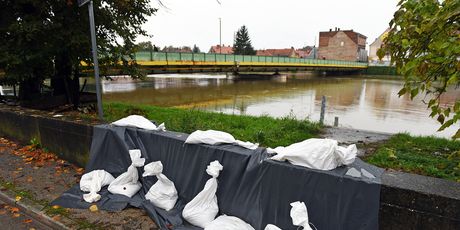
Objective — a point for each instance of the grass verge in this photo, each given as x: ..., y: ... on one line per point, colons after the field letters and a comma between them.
x: 267, y: 131
x: 430, y: 156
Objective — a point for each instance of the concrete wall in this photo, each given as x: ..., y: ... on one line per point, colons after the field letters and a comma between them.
x: 407, y: 201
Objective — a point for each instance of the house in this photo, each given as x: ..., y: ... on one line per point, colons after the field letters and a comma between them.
x: 345, y: 45
x: 221, y: 50
x: 376, y: 45
x: 278, y: 52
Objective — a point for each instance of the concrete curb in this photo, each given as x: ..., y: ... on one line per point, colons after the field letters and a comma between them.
x: 33, y: 212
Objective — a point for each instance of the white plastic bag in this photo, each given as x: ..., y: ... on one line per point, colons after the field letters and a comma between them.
x: 202, y: 209
x: 323, y: 154
x: 127, y: 183
x: 92, y: 182
x: 139, y: 122
x: 225, y: 222
x: 299, y: 215
x: 213, y: 137
x: 163, y: 193
x: 271, y: 227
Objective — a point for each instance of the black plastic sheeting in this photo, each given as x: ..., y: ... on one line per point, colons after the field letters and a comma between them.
x: 251, y: 187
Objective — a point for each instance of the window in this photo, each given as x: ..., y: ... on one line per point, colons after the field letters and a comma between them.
x: 341, y: 43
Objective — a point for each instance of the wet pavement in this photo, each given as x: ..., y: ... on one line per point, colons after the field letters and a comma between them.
x: 36, y: 177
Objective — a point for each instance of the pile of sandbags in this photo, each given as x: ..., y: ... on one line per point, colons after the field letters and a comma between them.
x: 128, y: 182
x: 92, y: 182
x: 138, y: 121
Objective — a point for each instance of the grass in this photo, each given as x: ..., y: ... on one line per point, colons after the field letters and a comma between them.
x: 267, y: 131
x: 430, y: 156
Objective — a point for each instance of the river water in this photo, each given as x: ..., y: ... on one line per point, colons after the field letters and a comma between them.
x: 360, y: 102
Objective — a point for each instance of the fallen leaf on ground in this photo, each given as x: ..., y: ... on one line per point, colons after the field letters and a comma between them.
x: 29, y: 179
x: 2, y: 212
x: 56, y: 218
x: 16, y: 215
x: 28, y: 221
x: 18, y: 198
x: 14, y: 209
x: 56, y: 206
x: 32, y: 229
x: 93, y: 208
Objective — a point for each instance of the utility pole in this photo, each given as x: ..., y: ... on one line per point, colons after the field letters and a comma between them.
x: 92, y: 26
x: 220, y: 35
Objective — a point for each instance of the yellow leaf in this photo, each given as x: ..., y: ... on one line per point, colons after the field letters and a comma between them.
x: 56, y: 206
x: 18, y: 198
x: 27, y: 221
x: 93, y: 208
x: 16, y: 215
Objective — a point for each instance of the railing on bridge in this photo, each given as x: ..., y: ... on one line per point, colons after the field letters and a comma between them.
x: 228, y: 59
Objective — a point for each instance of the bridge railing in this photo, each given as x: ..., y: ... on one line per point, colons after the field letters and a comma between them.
x: 241, y: 59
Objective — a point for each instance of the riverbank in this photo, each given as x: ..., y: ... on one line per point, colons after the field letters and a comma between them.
x: 430, y: 156
x: 267, y: 131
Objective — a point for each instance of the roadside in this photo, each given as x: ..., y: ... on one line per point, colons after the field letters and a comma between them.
x: 32, y: 177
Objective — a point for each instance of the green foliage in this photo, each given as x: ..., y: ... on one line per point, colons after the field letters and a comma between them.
x: 49, y: 39
x: 265, y: 130
x: 424, y: 44
x: 429, y: 156
x: 145, y: 46
x: 242, y: 44
x: 196, y: 49
x: 381, y: 53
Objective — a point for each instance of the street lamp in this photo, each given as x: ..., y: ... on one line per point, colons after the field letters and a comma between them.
x: 92, y: 26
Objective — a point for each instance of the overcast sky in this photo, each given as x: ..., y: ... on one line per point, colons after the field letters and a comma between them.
x: 271, y: 23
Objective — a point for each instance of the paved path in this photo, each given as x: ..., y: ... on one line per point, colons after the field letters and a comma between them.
x: 39, y: 177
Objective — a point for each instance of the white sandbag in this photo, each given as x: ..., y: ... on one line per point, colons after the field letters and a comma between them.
x: 299, y: 215
x: 323, y: 154
x: 213, y: 137
x: 92, y: 182
x: 202, y: 209
x: 225, y: 222
x: 139, y: 122
x: 163, y: 193
x: 271, y: 227
x: 127, y: 183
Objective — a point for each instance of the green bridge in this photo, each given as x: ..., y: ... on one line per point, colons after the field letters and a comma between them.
x: 161, y: 62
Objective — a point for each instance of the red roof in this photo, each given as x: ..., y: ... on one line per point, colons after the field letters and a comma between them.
x: 224, y: 50
x: 278, y: 52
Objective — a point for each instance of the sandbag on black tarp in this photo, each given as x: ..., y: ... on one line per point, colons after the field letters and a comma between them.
x: 257, y: 190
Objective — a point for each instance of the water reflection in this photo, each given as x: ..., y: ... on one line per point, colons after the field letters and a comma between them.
x: 362, y: 103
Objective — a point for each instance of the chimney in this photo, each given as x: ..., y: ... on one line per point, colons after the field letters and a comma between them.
x: 330, y: 30
x: 338, y: 29
x: 335, y: 28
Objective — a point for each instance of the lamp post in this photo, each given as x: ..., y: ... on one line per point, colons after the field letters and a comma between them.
x: 220, y: 35
x: 92, y: 26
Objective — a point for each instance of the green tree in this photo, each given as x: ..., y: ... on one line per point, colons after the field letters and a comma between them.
x: 145, y: 45
x: 242, y: 44
x: 381, y: 53
x: 50, y: 39
x: 196, y: 49
x: 424, y: 44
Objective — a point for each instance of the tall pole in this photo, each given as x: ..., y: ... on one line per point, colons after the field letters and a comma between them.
x: 220, y: 35
x: 96, y: 63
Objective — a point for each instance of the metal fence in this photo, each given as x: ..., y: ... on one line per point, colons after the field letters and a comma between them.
x: 211, y: 57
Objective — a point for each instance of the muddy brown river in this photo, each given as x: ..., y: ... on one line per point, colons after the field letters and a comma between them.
x: 360, y: 102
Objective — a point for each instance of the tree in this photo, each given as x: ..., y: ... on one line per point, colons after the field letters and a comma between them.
x: 242, y: 44
x: 381, y: 53
x: 424, y: 44
x: 145, y: 45
x: 196, y: 49
x: 49, y: 39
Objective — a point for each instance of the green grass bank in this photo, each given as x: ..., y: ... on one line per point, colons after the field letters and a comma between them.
x: 430, y: 156
x: 267, y: 131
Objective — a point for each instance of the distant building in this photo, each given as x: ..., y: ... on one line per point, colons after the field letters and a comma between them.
x: 345, y: 45
x: 221, y: 50
x: 171, y: 49
x: 376, y: 45
x: 279, y: 52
